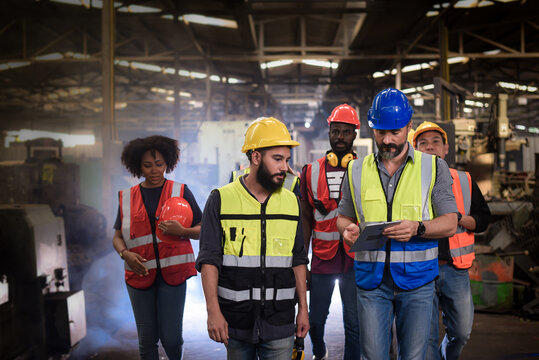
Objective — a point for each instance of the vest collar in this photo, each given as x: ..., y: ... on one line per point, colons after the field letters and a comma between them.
x: 250, y: 195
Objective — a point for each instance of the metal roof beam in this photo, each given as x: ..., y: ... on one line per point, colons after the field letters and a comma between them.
x: 491, y: 42
x: 254, y: 58
x: 426, y: 29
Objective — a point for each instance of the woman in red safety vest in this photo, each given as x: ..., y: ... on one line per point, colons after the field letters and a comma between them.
x: 157, y: 252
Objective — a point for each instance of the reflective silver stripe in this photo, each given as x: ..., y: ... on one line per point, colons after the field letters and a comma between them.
x: 279, y: 261
x: 177, y: 260
x: 426, y: 179
x: 243, y: 295
x: 143, y: 240
x: 319, y: 217
x: 254, y: 261
x: 150, y: 264
x: 237, y: 173
x: 370, y: 256
x: 289, y: 181
x: 244, y: 261
x: 282, y: 294
x: 176, y: 189
x: 465, y: 188
x: 315, y: 173
x: 414, y: 256
x: 465, y: 250
x: 169, y: 261
x: 126, y: 214
x: 357, y: 167
x: 233, y: 295
x: 326, y: 235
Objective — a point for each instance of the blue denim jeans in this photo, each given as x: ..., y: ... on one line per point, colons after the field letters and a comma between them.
x: 322, y: 286
x: 159, y: 315
x: 412, y: 311
x: 454, y: 294
x: 280, y: 349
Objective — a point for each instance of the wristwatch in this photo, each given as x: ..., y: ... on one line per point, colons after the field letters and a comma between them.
x: 459, y: 216
x: 121, y: 253
x: 420, y: 228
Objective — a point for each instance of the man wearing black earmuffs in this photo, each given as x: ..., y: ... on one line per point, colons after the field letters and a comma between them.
x: 320, y: 195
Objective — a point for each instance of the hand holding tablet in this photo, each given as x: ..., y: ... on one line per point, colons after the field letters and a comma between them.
x: 371, y: 237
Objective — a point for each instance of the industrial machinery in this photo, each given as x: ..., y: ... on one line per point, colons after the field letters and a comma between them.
x: 506, y: 270
x: 39, y: 315
x: 44, y: 178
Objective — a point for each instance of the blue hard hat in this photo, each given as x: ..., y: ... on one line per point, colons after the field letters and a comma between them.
x: 390, y: 110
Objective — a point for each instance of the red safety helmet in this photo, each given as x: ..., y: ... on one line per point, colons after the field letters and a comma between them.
x: 344, y: 114
x: 175, y: 208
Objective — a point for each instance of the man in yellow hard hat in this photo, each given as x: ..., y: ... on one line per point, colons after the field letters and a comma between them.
x: 455, y: 254
x: 252, y: 257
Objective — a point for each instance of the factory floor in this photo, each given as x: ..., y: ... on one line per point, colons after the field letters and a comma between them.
x: 493, y: 337
x: 112, y: 334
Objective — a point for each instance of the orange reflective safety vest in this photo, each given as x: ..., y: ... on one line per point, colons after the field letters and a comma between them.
x: 461, y: 245
x: 175, y: 258
x: 325, y: 236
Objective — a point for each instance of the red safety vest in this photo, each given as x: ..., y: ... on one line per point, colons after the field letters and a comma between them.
x: 325, y: 236
x: 176, y: 259
x: 461, y: 245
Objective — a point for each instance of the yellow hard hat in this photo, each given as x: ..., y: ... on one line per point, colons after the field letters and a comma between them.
x: 411, y: 136
x: 428, y: 126
x: 267, y: 132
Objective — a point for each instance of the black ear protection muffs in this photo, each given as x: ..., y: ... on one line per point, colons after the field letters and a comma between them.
x: 333, y: 159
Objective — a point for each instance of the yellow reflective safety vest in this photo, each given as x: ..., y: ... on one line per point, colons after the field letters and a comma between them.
x: 290, y: 181
x: 256, y: 277
x: 413, y: 263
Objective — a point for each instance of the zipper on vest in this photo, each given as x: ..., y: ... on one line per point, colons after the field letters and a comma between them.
x: 263, y: 252
x: 389, y: 211
x: 242, y: 241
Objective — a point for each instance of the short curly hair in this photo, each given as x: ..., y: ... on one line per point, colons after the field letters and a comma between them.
x: 135, y: 149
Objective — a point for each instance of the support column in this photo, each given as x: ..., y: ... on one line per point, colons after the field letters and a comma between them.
x: 398, y: 77
x: 109, y: 133
x: 444, y: 68
x: 177, y: 104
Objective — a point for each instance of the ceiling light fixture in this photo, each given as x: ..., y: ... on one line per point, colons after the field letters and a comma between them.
x: 276, y: 63
x: 515, y: 86
x: 321, y: 63
x: 421, y: 66
x: 207, y: 20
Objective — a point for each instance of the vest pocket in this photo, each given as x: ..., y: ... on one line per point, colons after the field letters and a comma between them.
x: 283, y: 311
x: 418, y: 266
x: 364, y: 266
x: 238, y: 240
x: 411, y: 212
x: 140, y: 216
x: 280, y: 246
x: 374, y: 202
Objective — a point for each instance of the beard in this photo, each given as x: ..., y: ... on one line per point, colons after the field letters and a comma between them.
x: 338, y: 152
x: 266, y: 179
x: 385, y: 150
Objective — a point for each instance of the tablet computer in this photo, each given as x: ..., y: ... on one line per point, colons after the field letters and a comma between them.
x: 371, y: 237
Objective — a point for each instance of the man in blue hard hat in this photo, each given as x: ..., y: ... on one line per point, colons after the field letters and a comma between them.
x: 396, y: 280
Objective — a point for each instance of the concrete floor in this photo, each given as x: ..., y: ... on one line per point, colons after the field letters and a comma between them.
x: 112, y: 333
x: 493, y: 337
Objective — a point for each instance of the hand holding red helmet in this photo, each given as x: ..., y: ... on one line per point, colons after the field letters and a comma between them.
x: 176, y: 215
